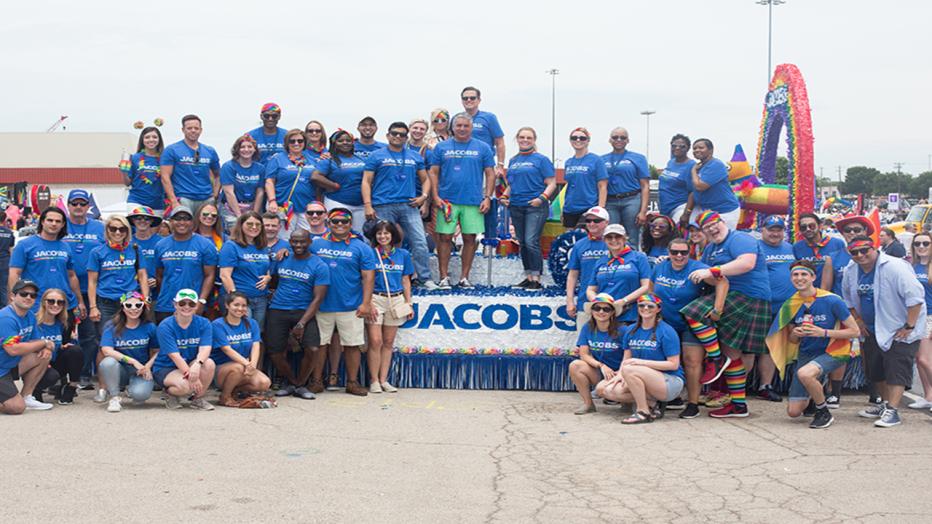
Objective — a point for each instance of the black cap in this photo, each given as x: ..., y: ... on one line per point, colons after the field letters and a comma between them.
x: 22, y: 284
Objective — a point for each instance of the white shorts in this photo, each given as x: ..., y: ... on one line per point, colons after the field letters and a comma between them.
x: 678, y: 213
x: 359, y: 212
x: 350, y: 327
x: 383, y: 307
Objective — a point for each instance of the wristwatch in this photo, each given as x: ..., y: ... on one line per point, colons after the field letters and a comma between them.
x: 909, y: 327
x: 202, y: 301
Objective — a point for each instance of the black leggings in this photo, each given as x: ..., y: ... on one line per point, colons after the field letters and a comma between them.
x: 66, y: 368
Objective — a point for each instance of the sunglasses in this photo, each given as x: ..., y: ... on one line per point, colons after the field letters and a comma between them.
x: 133, y: 305
x: 340, y: 221
x: 186, y: 303
x: 679, y: 146
x: 398, y: 134
x: 296, y: 141
x: 54, y: 302
x: 595, y: 220
x: 811, y: 226
x: 602, y: 309
x: 315, y: 212
x: 78, y: 203
x: 270, y: 116
x: 440, y: 121
x: 851, y: 230
x: 470, y: 98
x: 208, y: 215
x: 27, y: 294
x: 197, y: 155
x: 860, y: 252
x: 646, y: 306
x: 182, y: 218
x: 922, y: 244
x: 113, y: 229
x: 619, y: 137
x: 581, y: 138
x: 681, y: 252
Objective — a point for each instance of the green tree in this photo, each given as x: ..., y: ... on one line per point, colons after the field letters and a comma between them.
x: 859, y: 180
x: 782, y: 170
x: 921, y: 184
x: 654, y: 171
x: 892, y: 183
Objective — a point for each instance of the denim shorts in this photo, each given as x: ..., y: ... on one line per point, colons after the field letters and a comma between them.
x: 159, y: 375
x: 674, y: 386
x: 688, y: 337
x: 825, y: 362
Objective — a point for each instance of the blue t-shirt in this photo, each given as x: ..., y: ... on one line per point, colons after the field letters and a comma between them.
x: 45, y: 262
x: 136, y: 343
x: 397, y: 265
x: 582, y: 176
x: 676, y: 290
x: 279, y: 244
x: 779, y: 259
x: 14, y: 329
x: 835, y: 246
x: 116, y: 271
x: 485, y: 127
x: 653, y: 344
x: 719, y: 197
x: 825, y: 311
x: 82, y: 239
x: 175, y: 339
x: 840, y: 259
x: 756, y: 282
x: 675, y: 185
x: 296, y: 281
x: 462, y: 170
x: 268, y: 145
x: 625, y: 171
x: 147, y: 254
x: 191, y: 179
x: 51, y: 332
x: 922, y: 274
x: 603, y: 347
x: 346, y: 262
x: 866, y: 296
x: 395, y: 173
x: 656, y: 255
x: 363, y: 151
x: 282, y: 171
x: 584, y: 257
x: 145, y: 185
x: 526, y: 175
x: 249, y: 265
x: 240, y: 338
x: 348, y: 173
x: 182, y: 264
x: 245, y: 180
x: 620, y: 280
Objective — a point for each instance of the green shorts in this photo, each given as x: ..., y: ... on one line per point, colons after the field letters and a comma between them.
x: 471, y: 220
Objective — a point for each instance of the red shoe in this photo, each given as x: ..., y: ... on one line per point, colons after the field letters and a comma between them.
x: 732, y: 410
x: 714, y: 367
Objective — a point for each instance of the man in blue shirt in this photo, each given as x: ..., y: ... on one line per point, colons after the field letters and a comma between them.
x: 270, y: 138
x: 190, y: 170
x: 817, y: 247
x: 583, y: 259
x: 22, y: 351
x: 462, y: 180
x: 183, y: 261
x: 778, y: 254
x: 628, y: 186
x: 366, y: 144
x: 388, y: 192
x: 485, y: 126
x: 6, y: 249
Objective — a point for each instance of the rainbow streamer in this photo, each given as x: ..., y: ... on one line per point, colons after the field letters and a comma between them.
x: 9, y: 341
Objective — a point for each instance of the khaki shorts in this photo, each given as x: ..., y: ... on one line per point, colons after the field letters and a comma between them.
x: 350, y: 327
x: 383, y: 308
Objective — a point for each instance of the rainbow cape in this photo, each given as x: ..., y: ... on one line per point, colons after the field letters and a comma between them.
x: 782, y: 350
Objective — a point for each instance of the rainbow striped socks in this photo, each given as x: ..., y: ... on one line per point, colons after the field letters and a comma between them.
x: 707, y: 336
x: 735, y: 378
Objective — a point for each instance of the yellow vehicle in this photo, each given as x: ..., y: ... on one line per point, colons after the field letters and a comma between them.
x: 920, y: 215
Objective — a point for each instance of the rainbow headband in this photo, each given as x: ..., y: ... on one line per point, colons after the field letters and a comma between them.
x: 708, y: 217
x: 340, y: 213
x: 800, y: 267
x: 604, y: 298
x: 129, y: 296
x: 271, y: 106
x: 651, y: 299
x: 859, y: 244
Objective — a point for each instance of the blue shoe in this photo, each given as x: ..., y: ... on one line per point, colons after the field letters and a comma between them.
x: 889, y: 418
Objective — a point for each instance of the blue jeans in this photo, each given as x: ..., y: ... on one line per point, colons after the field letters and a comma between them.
x: 89, y: 342
x: 257, y: 309
x: 409, y: 220
x: 116, y: 374
x: 529, y: 224
x: 624, y: 211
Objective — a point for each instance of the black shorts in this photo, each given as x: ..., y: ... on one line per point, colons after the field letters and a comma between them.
x: 571, y: 220
x: 894, y: 366
x: 278, y: 326
x: 7, y: 388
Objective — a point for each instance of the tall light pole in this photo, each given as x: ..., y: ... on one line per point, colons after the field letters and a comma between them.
x: 553, y: 113
x: 770, y: 4
x: 647, y: 113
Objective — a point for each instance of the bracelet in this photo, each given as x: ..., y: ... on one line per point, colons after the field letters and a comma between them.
x: 93, y: 307
x: 124, y: 359
x: 826, y: 333
x: 716, y: 272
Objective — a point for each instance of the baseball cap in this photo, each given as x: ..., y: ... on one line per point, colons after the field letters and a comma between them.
x: 181, y: 209
x: 186, y: 294
x: 597, y: 211
x: 23, y: 284
x: 614, y: 229
x: 367, y: 119
x: 774, y: 221
x: 78, y: 194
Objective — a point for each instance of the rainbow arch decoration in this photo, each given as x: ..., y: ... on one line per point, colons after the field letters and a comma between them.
x: 787, y: 104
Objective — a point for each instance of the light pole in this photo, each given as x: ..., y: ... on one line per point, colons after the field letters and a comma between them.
x: 770, y: 4
x: 553, y: 113
x: 647, y: 113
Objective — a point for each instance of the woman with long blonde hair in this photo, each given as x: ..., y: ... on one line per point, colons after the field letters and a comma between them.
x: 67, y: 359
x: 114, y: 269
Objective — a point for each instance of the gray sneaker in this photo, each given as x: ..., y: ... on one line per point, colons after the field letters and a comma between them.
x: 172, y: 402
x: 875, y: 411
x: 430, y: 285
x: 889, y: 418
x: 101, y: 396
x: 444, y: 283
x: 201, y: 404
x: 286, y: 391
x: 303, y: 392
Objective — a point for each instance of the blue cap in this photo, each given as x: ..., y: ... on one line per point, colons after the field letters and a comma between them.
x: 775, y: 221
x: 78, y: 194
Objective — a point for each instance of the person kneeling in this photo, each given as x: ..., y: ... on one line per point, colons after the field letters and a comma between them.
x: 236, y: 341
x: 183, y: 366
x: 650, y: 369
x: 599, y: 346
x: 129, y: 345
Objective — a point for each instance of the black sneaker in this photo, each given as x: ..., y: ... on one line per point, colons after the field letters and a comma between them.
x: 823, y: 419
x: 875, y: 400
x: 810, y: 409
x: 67, y: 395
x: 521, y: 285
x: 691, y: 411
x: 676, y: 404
x: 833, y: 402
x: 767, y: 393
x: 533, y: 286
x: 659, y: 410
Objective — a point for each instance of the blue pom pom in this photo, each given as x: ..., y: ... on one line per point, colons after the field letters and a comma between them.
x: 560, y: 255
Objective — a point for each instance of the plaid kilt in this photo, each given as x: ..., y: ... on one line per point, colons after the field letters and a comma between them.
x: 744, y: 323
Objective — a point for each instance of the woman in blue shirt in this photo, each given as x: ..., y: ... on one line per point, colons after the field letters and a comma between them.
x: 142, y: 174
x: 288, y: 186
x: 586, y: 179
x: 712, y: 190
x: 245, y: 264
x: 316, y: 138
x: 392, y: 291
x: 341, y: 177
x: 67, y: 358
x: 650, y: 369
x: 599, y: 346
x: 113, y: 270
x: 922, y: 265
x: 236, y: 351
x: 129, y: 346
x: 674, y: 192
x: 241, y: 181
x: 657, y: 234
x: 531, y: 185
x: 623, y: 273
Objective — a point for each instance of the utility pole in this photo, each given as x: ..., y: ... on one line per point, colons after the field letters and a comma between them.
x: 839, y: 174
x: 647, y: 113
x: 899, y: 173
x: 553, y: 113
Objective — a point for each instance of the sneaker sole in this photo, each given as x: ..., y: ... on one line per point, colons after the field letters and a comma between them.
x: 832, y: 420
x: 718, y: 375
x: 689, y: 417
x: 881, y: 424
x: 731, y: 415
x: 865, y: 415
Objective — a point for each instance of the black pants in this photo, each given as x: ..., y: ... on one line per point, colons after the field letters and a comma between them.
x: 66, y: 368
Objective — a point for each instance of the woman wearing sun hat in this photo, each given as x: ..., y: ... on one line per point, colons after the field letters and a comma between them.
x: 623, y: 273
x: 599, y: 345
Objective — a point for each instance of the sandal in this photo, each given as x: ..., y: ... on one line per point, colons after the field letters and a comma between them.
x: 658, y: 411
x: 638, y: 417
x: 333, y: 382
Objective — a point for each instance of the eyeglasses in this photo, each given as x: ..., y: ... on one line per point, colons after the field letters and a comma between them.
x: 252, y: 225
x: 182, y: 218
x: 860, y: 252
x: 113, y: 229
x: 54, y: 302
x: 595, y: 220
x: 619, y: 137
x: 680, y: 252
x: 296, y: 141
x: 315, y: 131
x: 853, y: 230
x: 470, y: 98
x: 27, y: 294
x: 78, y: 203
x: 579, y: 138
x: 809, y: 226
x: 315, y: 212
x: 922, y: 244
x: 646, y: 306
x: 602, y: 309
x: 398, y: 134
x: 440, y: 121
x: 208, y: 215
x: 133, y: 305
x: 186, y: 303
x: 340, y: 221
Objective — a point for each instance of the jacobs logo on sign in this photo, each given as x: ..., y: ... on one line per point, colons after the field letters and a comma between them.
x: 499, y: 317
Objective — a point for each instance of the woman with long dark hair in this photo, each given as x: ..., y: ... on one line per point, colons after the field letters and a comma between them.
x: 236, y: 348
x: 656, y: 236
x: 67, y: 359
x: 245, y: 264
x: 341, y: 177
x: 599, y: 346
x: 142, y: 175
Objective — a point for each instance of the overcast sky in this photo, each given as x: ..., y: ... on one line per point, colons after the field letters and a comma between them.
x: 700, y: 65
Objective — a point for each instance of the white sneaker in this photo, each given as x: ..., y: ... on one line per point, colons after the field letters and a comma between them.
x: 388, y: 388
x: 465, y: 284
x: 114, y: 406
x: 101, y: 396
x: 200, y: 403
x: 375, y: 387
x: 444, y: 283
x: 920, y: 404
x: 32, y: 403
x: 430, y: 285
